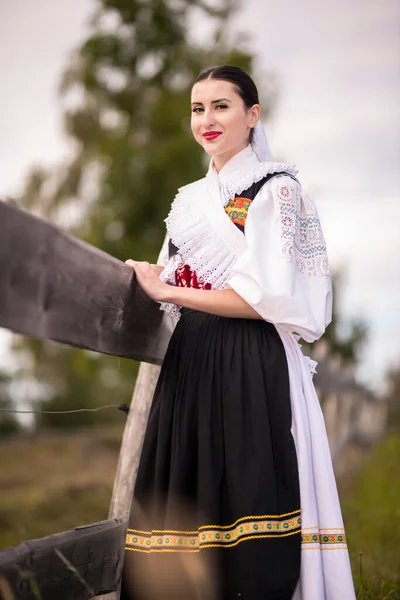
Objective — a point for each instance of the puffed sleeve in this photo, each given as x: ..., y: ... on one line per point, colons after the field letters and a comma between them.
x: 283, y: 274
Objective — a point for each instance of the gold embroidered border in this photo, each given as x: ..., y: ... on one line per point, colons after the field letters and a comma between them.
x: 213, y: 535
x: 323, y: 538
x: 227, y: 536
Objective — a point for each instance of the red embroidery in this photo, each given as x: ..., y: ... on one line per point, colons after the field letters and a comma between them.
x: 185, y: 277
x: 285, y: 192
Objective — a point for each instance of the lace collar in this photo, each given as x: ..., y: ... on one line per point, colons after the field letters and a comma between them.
x: 242, y: 170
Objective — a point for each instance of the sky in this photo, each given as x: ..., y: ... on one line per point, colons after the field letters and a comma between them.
x: 337, y: 69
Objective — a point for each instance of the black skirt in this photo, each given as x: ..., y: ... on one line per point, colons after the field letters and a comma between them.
x: 218, y: 471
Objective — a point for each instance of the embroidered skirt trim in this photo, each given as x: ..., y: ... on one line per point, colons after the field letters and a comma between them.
x: 211, y: 536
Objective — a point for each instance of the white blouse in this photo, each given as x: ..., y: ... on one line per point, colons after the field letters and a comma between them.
x: 279, y: 266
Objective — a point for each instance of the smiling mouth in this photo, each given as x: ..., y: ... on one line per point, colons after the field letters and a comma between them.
x: 212, y: 135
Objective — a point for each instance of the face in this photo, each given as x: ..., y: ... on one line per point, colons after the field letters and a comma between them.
x: 221, y: 122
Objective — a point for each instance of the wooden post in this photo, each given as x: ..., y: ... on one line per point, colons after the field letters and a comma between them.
x: 131, y: 447
x: 132, y: 440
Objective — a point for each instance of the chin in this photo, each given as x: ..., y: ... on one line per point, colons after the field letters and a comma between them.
x: 213, y: 150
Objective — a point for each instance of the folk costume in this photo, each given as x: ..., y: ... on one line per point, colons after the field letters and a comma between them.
x: 236, y: 429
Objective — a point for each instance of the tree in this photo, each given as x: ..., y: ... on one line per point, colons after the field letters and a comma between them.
x: 345, y: 338
x: 392, y: 398
x: 8, y: 422
x: 126, y: 95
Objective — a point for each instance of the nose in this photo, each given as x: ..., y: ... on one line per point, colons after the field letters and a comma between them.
x: 208, y: 118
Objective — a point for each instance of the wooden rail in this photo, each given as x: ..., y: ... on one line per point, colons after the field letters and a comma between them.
x: 54, y: 286
x: 75, y: 564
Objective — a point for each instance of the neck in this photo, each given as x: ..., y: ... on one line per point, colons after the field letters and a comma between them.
x: 221, y: 159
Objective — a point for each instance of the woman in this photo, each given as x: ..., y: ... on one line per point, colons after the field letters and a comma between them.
x: 235, y: 430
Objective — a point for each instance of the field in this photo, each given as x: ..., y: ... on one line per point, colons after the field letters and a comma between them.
x: 371, y: 511
x: 55, y: 481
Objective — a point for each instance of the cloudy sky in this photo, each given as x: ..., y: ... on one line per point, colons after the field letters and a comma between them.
x: 338, y: 119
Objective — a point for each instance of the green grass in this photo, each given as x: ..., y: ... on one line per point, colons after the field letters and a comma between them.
x: 56, y: 481
x: 371, y: 511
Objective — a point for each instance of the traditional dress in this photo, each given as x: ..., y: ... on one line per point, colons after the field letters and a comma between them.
x: 235, y: 430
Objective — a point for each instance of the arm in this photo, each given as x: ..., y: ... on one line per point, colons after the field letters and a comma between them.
x: 223, y: 303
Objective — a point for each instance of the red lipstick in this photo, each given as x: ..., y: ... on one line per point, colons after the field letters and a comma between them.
x: 211, y: 135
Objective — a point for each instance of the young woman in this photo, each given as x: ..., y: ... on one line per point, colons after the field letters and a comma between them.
x: 235, y: 430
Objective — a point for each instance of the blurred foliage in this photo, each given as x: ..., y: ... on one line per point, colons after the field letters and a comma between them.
x: 371, y: 516
x: 346, y: 339
x: 56, y: 481
x: 349, y: 344
x: 8, y: 422
x: 393, y: 398
x: 126, y: 97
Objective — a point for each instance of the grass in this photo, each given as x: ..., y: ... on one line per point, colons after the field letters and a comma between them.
x: 56, y: 481
x: 371, y: 511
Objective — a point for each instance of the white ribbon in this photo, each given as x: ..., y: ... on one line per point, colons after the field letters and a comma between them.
x: 260, y: 144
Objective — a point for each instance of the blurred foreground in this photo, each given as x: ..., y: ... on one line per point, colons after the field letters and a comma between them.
x: 60, y: 480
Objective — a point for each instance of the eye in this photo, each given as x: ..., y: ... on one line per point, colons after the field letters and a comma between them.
x: 197, y: 109
x: 222, y: 106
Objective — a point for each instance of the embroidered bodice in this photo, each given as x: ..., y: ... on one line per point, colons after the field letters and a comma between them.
x: 236, y: 209
x: 184, y: 276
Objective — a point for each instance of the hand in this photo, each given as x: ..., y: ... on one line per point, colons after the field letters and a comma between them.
x: 148, y: 278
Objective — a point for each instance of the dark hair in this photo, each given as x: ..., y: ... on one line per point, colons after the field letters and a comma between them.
x: 245, y: 86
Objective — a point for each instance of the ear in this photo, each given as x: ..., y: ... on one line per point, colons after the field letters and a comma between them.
x: 254, y: 115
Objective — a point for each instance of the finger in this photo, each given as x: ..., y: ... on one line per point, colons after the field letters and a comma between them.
x: 130, y: 262
x: 143, y: 266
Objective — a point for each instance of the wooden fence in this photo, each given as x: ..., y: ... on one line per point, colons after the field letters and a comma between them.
x: 53, y: 286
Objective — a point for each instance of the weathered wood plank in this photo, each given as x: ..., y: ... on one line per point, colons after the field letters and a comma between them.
x: 54, y: 286
x: 73, y: 565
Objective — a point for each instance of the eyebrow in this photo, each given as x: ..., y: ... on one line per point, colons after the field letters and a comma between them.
x: 214, y: 101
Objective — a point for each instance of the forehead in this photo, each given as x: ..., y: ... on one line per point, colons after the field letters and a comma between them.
x: 213, y: 89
